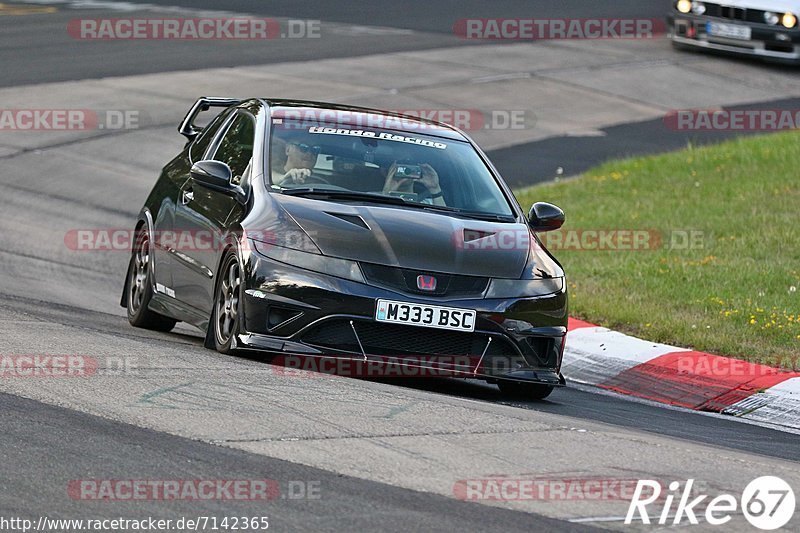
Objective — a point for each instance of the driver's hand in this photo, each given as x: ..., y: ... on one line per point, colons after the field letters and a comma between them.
x: 296, y: 175
x: 393, y: 183
x: 430, y: 179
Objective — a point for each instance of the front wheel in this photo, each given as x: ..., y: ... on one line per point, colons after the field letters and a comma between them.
x: 140, y: 289
x: 527, y: 391
x: 226, y: 305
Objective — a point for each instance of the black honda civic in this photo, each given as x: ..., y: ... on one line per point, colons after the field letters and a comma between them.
x: 335, y: 233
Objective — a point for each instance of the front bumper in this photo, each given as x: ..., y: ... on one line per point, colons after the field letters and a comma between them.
x: 768, y: 42
x: 301, y: 313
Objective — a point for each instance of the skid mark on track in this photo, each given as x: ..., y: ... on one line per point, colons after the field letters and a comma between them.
x: 398, y: 435
x: 154, y: 398
x: 394, y: 411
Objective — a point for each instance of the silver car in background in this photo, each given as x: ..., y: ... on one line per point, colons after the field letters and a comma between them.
x: 766, y: 29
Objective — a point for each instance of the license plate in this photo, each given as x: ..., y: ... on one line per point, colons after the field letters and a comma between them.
x: 731, y: 31
x: 429, y: 316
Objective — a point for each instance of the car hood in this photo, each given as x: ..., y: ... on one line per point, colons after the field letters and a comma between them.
x: 417, y: 239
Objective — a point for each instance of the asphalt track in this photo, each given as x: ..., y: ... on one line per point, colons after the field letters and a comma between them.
x: 77, y: 445
x: 386, y: 453
x: 350, y: 29
x: 573, y: 155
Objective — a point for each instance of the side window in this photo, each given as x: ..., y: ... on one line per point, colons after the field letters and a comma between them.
x: 236, y: 146
x: 202, y: 141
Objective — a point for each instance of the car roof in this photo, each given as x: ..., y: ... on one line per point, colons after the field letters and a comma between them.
x: 362, y: 117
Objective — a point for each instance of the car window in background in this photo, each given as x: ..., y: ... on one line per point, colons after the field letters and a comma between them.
x: 236, y: 146
x: 386, y: 162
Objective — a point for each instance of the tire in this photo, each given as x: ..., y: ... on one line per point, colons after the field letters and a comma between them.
x: 139, y: 286
x: 527, y: 391
x: 227, y: 310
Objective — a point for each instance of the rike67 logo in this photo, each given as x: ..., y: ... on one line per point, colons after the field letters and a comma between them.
x: 768, y: 503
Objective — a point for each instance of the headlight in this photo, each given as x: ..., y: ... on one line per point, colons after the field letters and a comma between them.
x: 771, y: 18
x: 522, y: 288
x: 322, y: 264
x: 684, y: 6
x: 698, y: 8
x: 789, y: 20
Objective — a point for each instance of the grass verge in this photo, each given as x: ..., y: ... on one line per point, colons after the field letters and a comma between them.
x: 720, y: 225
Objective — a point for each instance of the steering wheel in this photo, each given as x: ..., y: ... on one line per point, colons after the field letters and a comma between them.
x: 422, y: 191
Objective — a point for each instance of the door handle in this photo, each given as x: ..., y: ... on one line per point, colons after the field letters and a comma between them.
x: 187, y: 195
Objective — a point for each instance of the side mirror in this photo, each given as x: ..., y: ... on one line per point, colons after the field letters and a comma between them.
x: 545, y: 217
x: 214, y: 174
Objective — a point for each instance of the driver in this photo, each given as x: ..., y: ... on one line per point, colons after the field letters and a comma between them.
x: 300, y: 159
x: 429, y: 179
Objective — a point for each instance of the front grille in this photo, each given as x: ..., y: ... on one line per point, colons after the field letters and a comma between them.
x: 405, y: 280
x: 735, y: 13
x: 398, y: 340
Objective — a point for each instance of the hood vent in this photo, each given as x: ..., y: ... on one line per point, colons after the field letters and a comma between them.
x: 475, y: 235
x: 352, y: 219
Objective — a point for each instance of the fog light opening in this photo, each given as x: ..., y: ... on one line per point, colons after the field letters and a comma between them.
x: 278, y: 316
x: 771, y: 18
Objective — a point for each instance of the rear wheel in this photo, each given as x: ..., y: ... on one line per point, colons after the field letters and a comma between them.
x: 140, y: 289
x: 226, y: 305
x: 527, y: 391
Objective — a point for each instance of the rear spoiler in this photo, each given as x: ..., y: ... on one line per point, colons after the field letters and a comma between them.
x: 187, y: 127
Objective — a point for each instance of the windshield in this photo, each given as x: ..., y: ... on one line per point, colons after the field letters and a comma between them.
x: 416, y: 168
